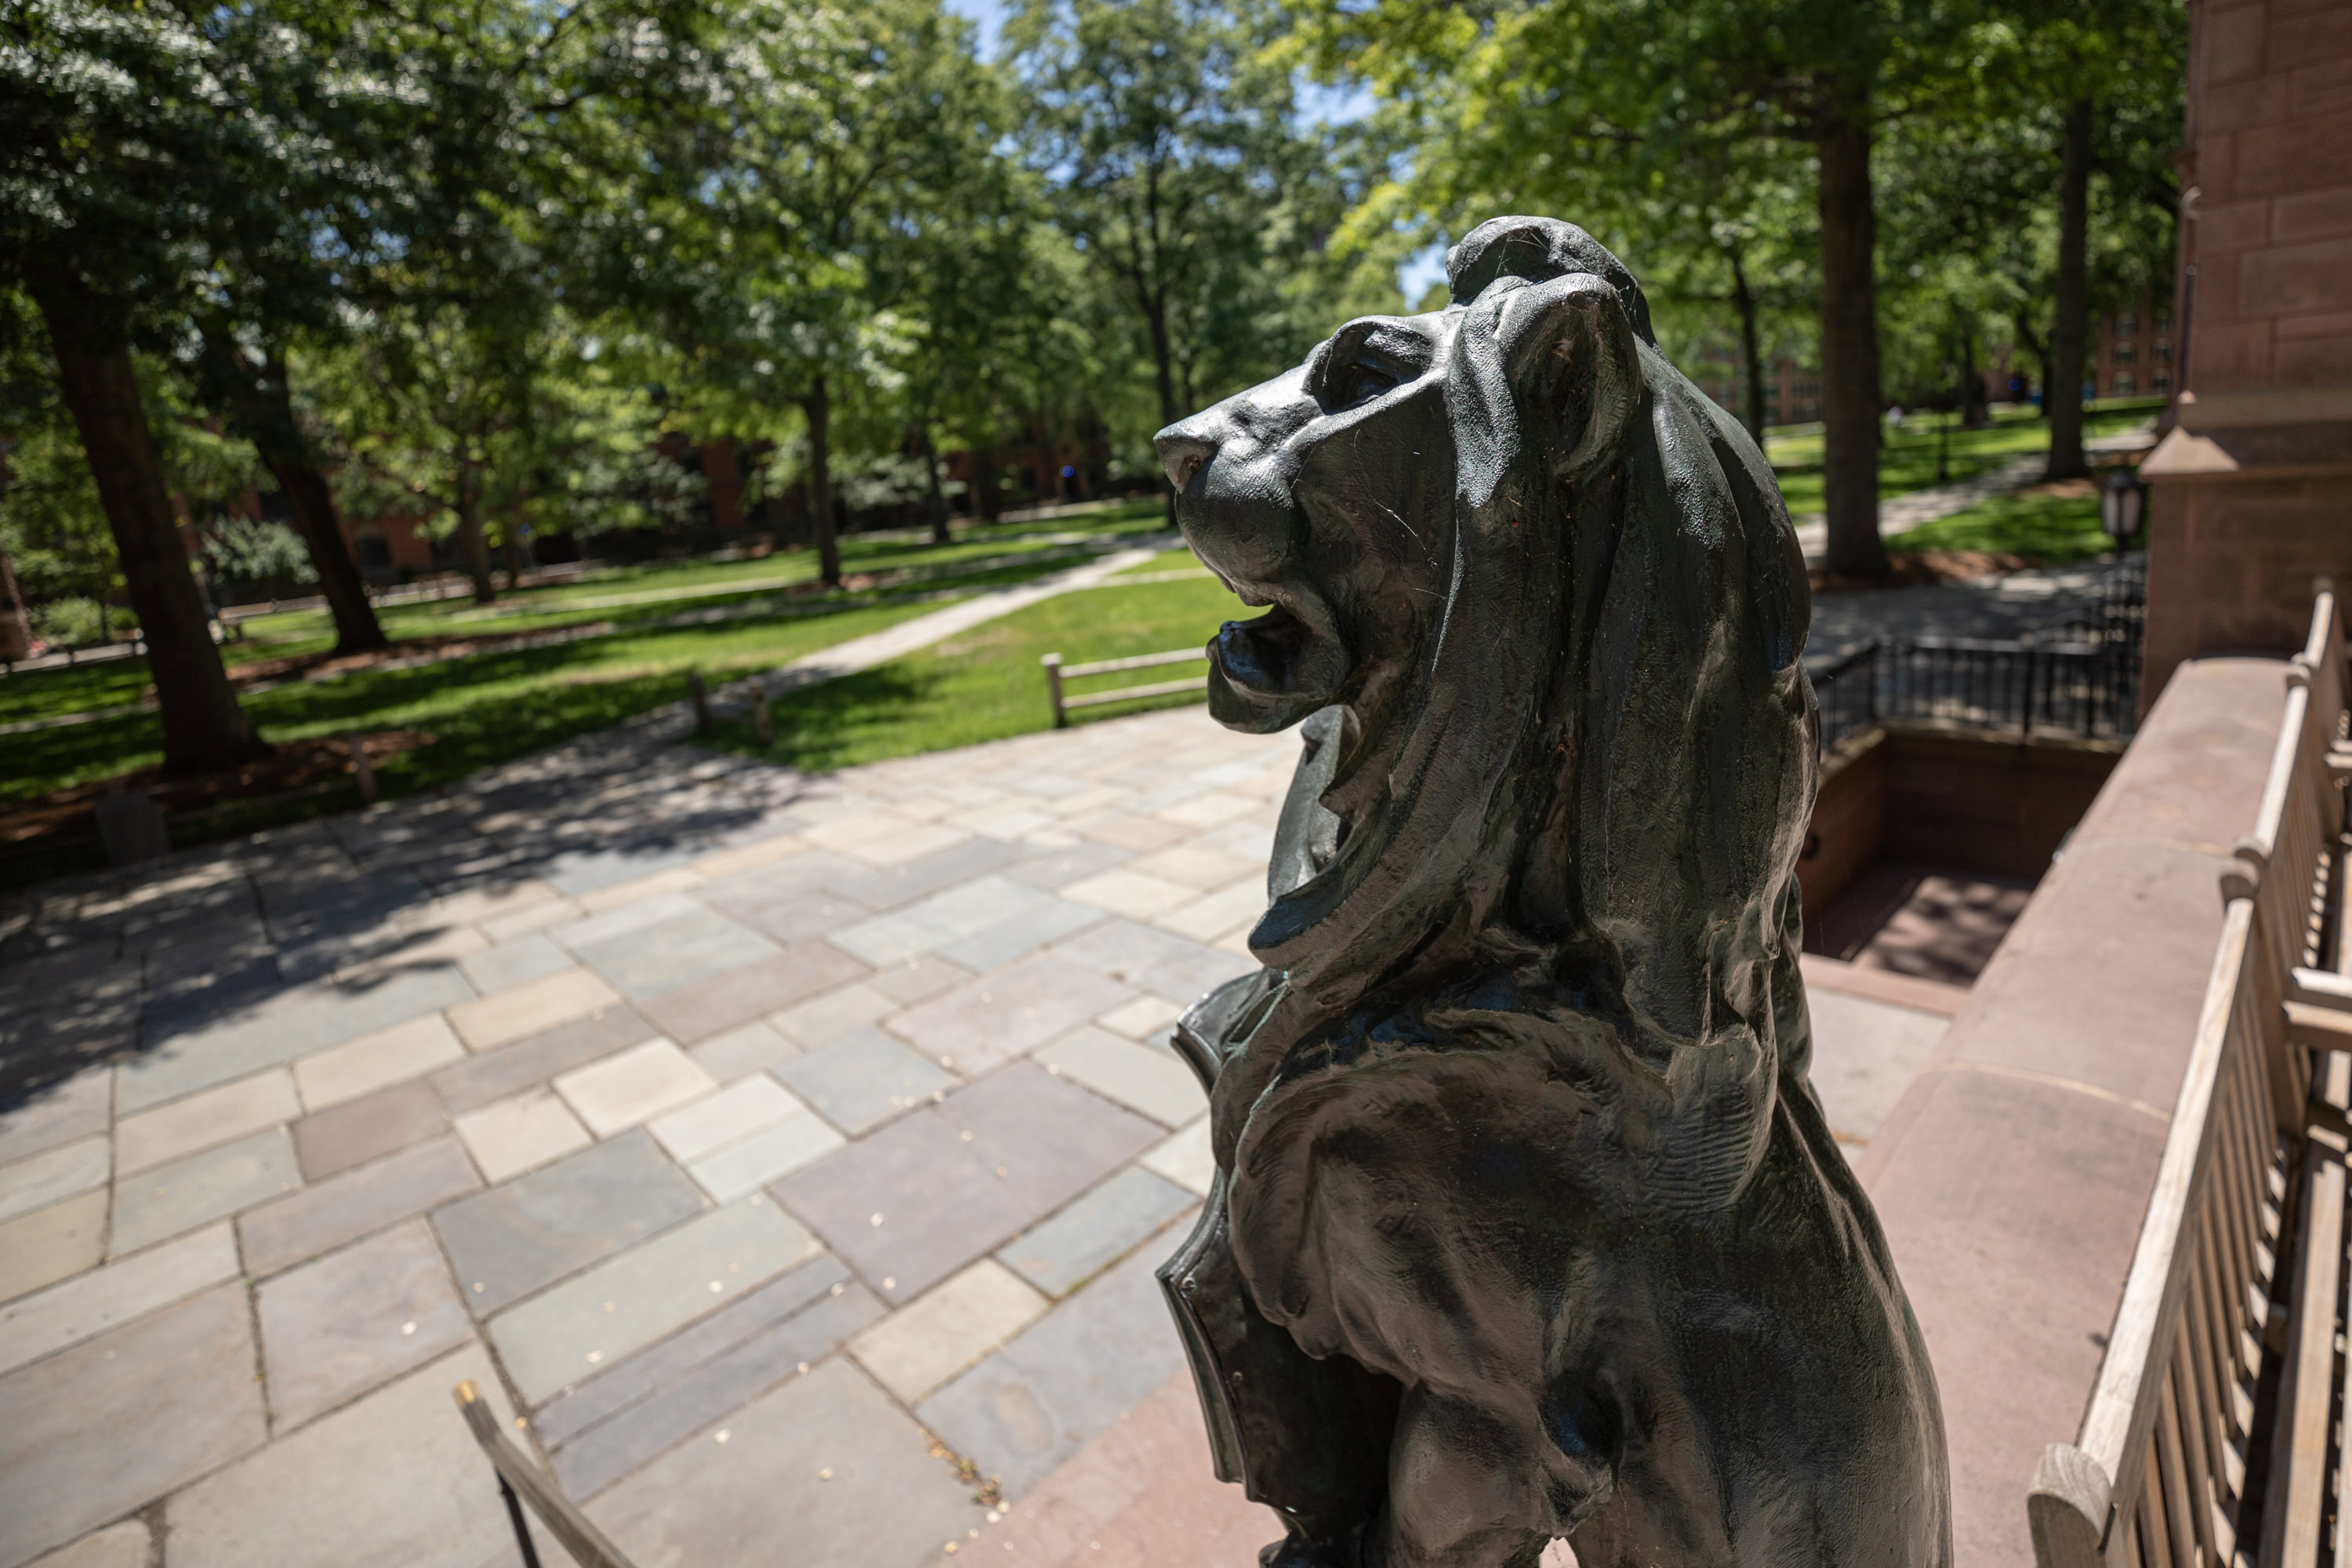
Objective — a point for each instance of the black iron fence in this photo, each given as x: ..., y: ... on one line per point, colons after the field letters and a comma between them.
x: 2079, y: 677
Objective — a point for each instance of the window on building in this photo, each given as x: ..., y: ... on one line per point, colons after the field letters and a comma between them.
x: 2123, y: 387
x: 2159, y: 382
x: 2126, y: 323
x: 2163, y: 351
x: 2125, y: 353
x: 2164, y: 321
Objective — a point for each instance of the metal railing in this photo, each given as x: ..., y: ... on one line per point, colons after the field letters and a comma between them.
x: 2078, y: 677
x: 1057, y: 672
x: 2163, y: 1469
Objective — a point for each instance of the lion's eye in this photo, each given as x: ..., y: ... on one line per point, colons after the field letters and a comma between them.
x: 1360, y: 382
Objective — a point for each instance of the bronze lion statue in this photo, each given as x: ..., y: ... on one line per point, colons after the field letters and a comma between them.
x: 1528, y: 1225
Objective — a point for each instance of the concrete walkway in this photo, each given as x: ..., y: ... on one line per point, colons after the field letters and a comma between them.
x: 770, y: 1146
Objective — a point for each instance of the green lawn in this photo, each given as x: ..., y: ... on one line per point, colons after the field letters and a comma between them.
x: 2051, y: 529
x: 1907, y: 460
x: 651, y: 591
x: 987, y: 684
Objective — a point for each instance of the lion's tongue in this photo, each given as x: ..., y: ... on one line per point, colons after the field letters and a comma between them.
x: 1262, y: 654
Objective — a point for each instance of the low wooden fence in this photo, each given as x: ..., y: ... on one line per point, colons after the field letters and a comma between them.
x: 2240, y: 1254
x: 1057, y: 672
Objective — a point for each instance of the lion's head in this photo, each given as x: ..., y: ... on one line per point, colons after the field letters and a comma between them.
x: 1556, y: 595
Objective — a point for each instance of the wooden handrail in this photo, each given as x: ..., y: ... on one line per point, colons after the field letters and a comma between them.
x: 2155, y: 1478
x: 1057, y: 673
x: 518, y: 1475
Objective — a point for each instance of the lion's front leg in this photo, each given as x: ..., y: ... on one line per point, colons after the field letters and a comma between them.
x: 1464, y: 1492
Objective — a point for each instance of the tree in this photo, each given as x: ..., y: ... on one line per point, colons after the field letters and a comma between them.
x: 756, y: 228
x: 1690, y: 82
x: 108, y: 119
x: 1170, y: 145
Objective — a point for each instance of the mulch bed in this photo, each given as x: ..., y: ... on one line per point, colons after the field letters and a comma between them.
x: 327, y: 662
x: 294, y: 765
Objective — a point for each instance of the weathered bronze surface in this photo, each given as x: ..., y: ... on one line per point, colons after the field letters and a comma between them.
x: 1527, y: 1223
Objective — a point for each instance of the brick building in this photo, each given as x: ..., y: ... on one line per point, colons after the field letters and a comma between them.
x: 2134, y: 356
x: 2252, y: 482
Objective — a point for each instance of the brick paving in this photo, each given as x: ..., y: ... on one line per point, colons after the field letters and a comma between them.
x: 764, y: 1142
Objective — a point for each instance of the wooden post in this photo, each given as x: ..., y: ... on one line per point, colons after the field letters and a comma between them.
x: 763, y: 727
x: 363, y: 769
x: 700, y: 695
x: 1053, y: 663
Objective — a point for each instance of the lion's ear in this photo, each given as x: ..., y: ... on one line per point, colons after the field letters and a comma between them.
x: 1575, y: 372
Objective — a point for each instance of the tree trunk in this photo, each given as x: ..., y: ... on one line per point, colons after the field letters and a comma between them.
x: 1972, y: 392
x: 934, y: 498
x: 2039, y: 347
x: 1850, y: 348
x: 1155, y: 315
x: 258, y: 403
x: 511, y: 548
x: 820, y: 484
x: 2062, y: 397
x: 1743, y: 299
x: 984, y: 483
x: 15, y: 630
x: 204, y: 728
x: 469, y: 532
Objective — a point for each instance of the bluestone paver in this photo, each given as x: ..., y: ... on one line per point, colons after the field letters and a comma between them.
x: 375, y: 1061
x: 508, y: 1069
x: 1151, y: 960
x: 863, y: 1078
x: 354, y: 1320
x: 628, y: 1302
x: 1097, y: 1230
x: 1137, y: 1077
x: 125, y: 1545
x: 646, y: 960
x: 509, y: 1137
x: 615, y: 1386
x: 77, y: 1107
x: 53, y: 1174
x: 632, y: 1086
x: 929, y: 1340
x: 214, y: 1116
x: 993, y: 1018
x: 90, y: 1304
x: 373, y: 1125
x: 108, y: 1427
x: 1058, y: 867
x: 888, y: 887
x: 824, y: 1461
x: 735, y: 997
x: 697, y: 1398
x: 529, y: 1008
x: 1201, y: 869
x: 51, y: 1244
x: 342, y: 1208
x: 1143, y: 1019
x: 214, y: 1185
x: 277, y: 1030
x: 510, y: 963
x: 1066, y: 1378
x: 1017, y: 917
x: 1185, y: 1157
x: 1123, y: 890
x: 409, y: 1487
x: 513, y: 1239
x: 918, y: 979
x: 826, y: 1018
x: 742, y: 1107
x: 750, y: 1048
x: 766, y: 1156
x: 1047, y: 1140
x: 907, y: 1205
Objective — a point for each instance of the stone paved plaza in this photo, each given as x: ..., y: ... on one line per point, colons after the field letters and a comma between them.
x: 765, y: 1144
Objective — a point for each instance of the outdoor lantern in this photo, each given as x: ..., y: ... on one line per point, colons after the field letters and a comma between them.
x: 2122, y: 502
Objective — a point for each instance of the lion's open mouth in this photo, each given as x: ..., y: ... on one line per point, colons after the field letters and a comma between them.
x: 1273, y: 669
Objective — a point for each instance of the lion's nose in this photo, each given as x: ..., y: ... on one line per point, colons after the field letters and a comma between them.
x: 1181, y: 455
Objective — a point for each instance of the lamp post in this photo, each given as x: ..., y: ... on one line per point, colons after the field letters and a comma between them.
x: 2123, y: 504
